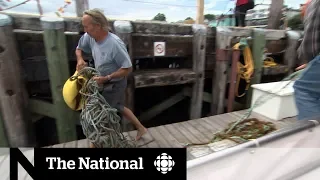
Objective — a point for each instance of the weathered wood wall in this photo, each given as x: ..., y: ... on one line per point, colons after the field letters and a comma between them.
x: 178, y: 38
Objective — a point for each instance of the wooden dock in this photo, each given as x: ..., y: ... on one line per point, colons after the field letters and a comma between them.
x: 171, y: 135
x: 176, y: 135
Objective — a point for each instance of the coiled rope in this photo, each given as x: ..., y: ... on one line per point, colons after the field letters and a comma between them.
x: 245, y: 70
x: 100, y: 122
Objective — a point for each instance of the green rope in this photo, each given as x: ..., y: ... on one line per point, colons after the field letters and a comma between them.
x: 245, y: 129
x: 264, y: 98
x: 100, y: 122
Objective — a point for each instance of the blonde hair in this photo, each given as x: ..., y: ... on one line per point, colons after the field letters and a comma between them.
x: 98, y: 18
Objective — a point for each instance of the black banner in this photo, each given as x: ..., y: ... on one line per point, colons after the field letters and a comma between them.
x: 84, y: 163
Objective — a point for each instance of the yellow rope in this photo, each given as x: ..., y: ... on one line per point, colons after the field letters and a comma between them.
x: 269, y: 62
x: 245, y: 70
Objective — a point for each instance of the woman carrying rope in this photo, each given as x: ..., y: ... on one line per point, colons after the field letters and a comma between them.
x: 112, y: 61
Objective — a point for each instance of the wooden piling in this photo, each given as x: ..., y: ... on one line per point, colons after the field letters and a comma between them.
x: 3, y: 136
x: 291, y: 54
x: 219, y: 79
x: 233, y: 79
x: 123, y: 29
x: 13, y: 95
x: 258, y: 45
x: 199, y: 57
x: 58, y: 68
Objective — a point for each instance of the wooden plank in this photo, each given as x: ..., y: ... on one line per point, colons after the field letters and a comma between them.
x: 156, y: 27
x: 199, y: 52
x: 181, y: 139
x: 192, y: 130
x: 13, y: 94
x: 187, y: 135
x: 209, y: 125
x: 270, y: 34
x: 169, y: 137
x: 239, y: 31
x: 259, y: 43
x: 3, y: 136
x: 221, y: 120
x: 163, y: 143
x: 30, y: 44
x: 291, y: 53
x: 274, y: 34
x: 42, y: 107
x: 58, y: 67
x: 72, y: 144
x: 73, y: 24
x: 163, y: 77
x: 32, y: 22
x: 83, y: 143
x: 199, y: 125
x: 211, y: 122
x: 176, y: 45
x: 157, y: 109
x: 61, y: 145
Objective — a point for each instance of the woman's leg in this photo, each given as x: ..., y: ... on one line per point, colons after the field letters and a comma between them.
x: 307, y: 91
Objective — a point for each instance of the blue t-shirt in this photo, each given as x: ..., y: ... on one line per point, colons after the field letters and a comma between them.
x: 109, y: 55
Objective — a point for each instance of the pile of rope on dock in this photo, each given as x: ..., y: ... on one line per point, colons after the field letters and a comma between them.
x: 100, y: 122
x: 245, y: 130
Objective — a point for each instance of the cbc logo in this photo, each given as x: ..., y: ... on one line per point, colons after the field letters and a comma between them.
x: 164, y: 163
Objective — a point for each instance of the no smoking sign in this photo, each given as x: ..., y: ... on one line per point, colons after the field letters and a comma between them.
x: 159, y: 48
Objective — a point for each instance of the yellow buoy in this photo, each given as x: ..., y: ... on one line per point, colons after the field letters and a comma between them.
x: 71, y: 89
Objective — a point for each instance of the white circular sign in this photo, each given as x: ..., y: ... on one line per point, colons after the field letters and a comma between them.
x: 159, y: 48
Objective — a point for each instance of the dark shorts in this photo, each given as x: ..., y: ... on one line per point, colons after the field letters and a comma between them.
x: 114, y: 93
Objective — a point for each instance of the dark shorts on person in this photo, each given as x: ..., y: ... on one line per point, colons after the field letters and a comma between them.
x: 114, y: 94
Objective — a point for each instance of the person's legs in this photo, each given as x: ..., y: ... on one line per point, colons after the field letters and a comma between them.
x: 243, y: 11
x: 242, y: 19
x: 237, y: 16
x: 128, y: 114
x: 307, y: 91
x: 115, y: 96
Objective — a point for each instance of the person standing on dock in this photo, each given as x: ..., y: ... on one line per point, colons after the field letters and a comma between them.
x: 307, y: 87
x: 242, y: 6
x: 111, y: 59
